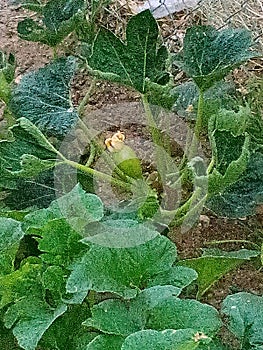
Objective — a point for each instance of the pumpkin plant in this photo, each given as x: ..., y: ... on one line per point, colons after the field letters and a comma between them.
x: 107, y: 278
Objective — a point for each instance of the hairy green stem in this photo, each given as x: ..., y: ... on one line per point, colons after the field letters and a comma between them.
x: 192, y: 148
x: 83, y: 103
x: 156, y: 135
x: 99, y: 175
x: 200, y: 111
x: 90, y: 171
x: 234, y: 241
x: 178, y: 215
x: 92, y: 154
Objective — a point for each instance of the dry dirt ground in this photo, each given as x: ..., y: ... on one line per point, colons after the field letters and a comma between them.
x: 108, y: 98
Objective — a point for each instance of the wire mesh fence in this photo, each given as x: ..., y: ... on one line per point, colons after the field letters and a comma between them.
x: 219, y: 13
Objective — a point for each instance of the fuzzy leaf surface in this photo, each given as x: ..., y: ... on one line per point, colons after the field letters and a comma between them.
x: 30, y: 318
x: 43, y: 97
x: 118, y: 233
x: 120, y: 317
x: 59, y: 18
x: 26, y: 139
x: 77, y: 207
x: 10, y: 233
x: 168, y: 339
x: 175, y: 313
x: 214, y: 264
x: 210, y: 54
x: 60, y: 243
x: 241, y: 198
x: 132, y: 62
x: 178, y: 276
x: 245, y: 314
x: 121, y: 271
x: 102, y: 342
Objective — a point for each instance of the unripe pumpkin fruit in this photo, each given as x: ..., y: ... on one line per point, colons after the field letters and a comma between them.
x: 128, y: 162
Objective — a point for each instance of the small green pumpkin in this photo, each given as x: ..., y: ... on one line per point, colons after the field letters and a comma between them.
x: 128, y: 162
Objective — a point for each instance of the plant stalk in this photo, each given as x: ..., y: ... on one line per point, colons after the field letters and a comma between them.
x: 98, y: 174
x: 193, y: 147
x: 234, y: 241
x: 83, y: 103
x: 200, y: 111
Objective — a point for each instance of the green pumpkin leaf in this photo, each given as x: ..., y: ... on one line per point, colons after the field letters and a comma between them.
x: 132, y: 62
x: 32, y: 5
x: 36, y: 188
x: 43, y: 98
x: 30, y: 318
x: 60, y: 18
x: 7, y: 74
x: 116, y: 317
x: 102, y: 342
x: 118, y: 234
x: 31, y: 193
x: 74, y: 333
x: 21, y: 283
x: 245, y: 314
x: 60, y: 243
x: 121, y: 271
x: 120, y: 317
x: 210, y: 54
x: 175, y: 313
x: 77, y: 207
x: 7, y: 339
x: 168, y: 339
x: 178, y: 276
x: 10, y: 233
x: 230, y: 147
x: 214, y: 264
x: 242, y: 197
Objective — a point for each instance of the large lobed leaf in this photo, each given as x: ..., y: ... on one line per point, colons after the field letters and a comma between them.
x: 155, y: 308
x: 26, y: 162
x: 214, y: 264
x: 168, y: 339
x: 122, y: 318
x: 241, y: 198
x: 26, y: 142
x: 210, y: 54
x: 59, y: 18
x: 77, y: 207
x: 43, y: 97
x: 121, y: 270
x: 31, y: 318
x: 133, y: 62
x: 245, y: 314
x: 230, y: 148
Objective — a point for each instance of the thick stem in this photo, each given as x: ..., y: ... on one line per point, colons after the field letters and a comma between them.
x: 86, y: 98
x: 156, y: 135
x: 200, y: 111
x: 193, y: 147
x: 90, y: 171
x: 234, y: 241
x: 98, y: 174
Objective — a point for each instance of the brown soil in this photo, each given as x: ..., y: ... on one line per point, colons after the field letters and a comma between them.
x: 118, y: 108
